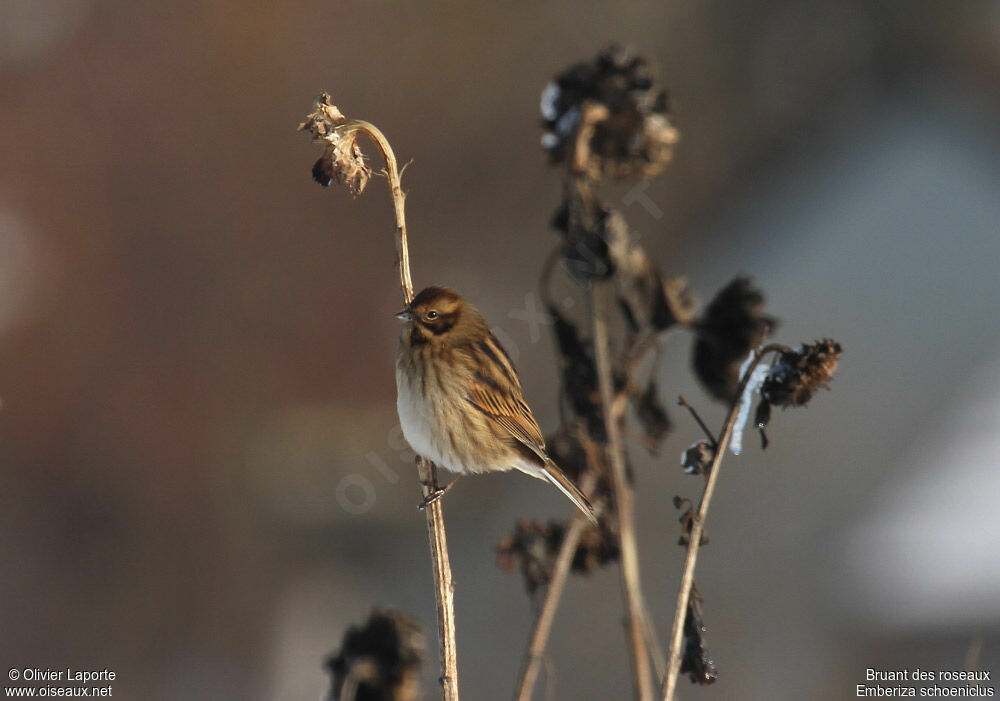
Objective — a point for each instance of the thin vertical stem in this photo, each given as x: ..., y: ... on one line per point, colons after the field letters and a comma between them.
x: 698, y: 527
x: 631, y: 585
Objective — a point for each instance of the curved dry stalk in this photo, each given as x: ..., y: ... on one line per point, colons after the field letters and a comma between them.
x: 631, y: 585
x: 698, y: 527
x: 329, y: 125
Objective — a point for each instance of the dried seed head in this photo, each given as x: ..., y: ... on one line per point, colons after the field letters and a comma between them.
x: 797, y: 375
x: 733, y: 323
x: 697, y: 459
x: 342, y: 161
x: 533, y: 546
x: 631, y: 138
x: 378, y: 661
x: 598, y: 547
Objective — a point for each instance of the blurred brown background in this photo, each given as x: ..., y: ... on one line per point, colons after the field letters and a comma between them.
x: 203, y: 482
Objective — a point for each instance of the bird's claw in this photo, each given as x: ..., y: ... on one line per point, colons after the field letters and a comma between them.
x: 431, y: 497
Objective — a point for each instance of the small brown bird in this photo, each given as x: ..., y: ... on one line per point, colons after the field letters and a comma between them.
x: 459, y: 396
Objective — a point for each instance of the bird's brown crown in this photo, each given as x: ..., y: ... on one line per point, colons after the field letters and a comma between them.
x: 441, y: 310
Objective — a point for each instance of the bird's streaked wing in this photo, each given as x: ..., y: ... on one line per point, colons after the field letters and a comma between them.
x: 495, y: 390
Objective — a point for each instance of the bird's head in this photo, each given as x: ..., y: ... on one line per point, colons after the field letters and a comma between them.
x: 440, y: 314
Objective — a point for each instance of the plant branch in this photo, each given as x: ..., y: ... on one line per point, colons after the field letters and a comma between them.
x: 640, y: 629
x: 698, y: 527
x: 542, y: 626
x: 631, y: 585
x: 634, y: 359
x: 329, y: 125
x: 444, y: 584
x: 708, y: 434
x: 653, y: 641
x: 553, y: 593
x: 596, y: 460
x: 398, y: 198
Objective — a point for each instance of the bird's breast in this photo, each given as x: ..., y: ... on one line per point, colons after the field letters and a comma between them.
x: 437, y: 419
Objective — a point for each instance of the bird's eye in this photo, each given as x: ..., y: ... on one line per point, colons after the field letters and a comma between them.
x: 432, y: 315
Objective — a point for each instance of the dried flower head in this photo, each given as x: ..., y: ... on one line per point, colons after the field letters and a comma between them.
x: 342, y: 161
x: 697, y: 459
x: 598, y: 547
x: 797, y: 375
x: 733, y: 323
x: 533, y: 546
x: 631, y: 135
x: 378, y: 661
x: 696, y: 660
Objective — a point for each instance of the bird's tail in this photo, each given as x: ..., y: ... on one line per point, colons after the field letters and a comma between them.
x: 556, y: 476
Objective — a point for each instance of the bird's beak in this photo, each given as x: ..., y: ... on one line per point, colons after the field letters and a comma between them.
x: 405, y: 315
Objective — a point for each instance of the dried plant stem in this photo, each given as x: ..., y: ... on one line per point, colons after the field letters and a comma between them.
x: 553, y: 593
x: 698, y: 527
x: 444, y: 584
x: 653, y: 641
x: 398, y: 199
x: 631, y: 585
x: 560, y: 572
x: 694, y: 414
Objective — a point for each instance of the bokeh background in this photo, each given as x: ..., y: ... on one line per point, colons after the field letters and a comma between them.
x: 203, y: 482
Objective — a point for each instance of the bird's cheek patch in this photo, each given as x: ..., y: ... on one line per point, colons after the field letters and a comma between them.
x: 442, y: 324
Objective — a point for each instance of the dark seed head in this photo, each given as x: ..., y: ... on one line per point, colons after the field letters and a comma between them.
x: 733, y: 323
x: 380, y: 659
x: 797, y: 375
x: 633, y: 138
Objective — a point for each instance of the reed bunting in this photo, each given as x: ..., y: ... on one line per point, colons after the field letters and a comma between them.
x: 459, y: 396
